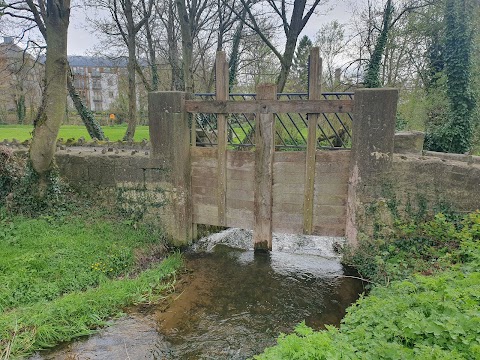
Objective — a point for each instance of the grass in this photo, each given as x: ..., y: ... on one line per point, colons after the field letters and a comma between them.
x: 63, y: 278
x: 114, y: 133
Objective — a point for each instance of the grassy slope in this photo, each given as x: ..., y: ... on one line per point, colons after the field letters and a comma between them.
x: 114, y: 133
x: 62, y: 279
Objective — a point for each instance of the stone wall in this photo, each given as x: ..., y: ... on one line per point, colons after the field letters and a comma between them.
x: 130, y: 180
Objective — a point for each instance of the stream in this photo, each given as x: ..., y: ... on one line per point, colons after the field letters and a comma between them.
x: 232, y: 303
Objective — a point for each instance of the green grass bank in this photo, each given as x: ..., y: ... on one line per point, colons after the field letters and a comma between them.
x: 63, y: 277
x: 425, y: 303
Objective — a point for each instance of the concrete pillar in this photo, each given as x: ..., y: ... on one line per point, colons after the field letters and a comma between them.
x: 170, y: 150
x: 374, y: 118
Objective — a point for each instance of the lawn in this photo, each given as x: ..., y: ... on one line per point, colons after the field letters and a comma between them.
x: 63, y: 278
x: 114, y: 133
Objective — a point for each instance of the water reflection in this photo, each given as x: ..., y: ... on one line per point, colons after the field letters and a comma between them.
x: 232, y: 303
x: 237, y: 302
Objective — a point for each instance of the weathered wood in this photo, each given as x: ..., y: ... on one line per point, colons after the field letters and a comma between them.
x: 193, y: 143
x: 264, y: 150
x: 193, y: 130
x: 288, y: 223
x: 314, y: 93
x: 240, y: 160
x: 203, y: 158
x: 205, y: 214
x: 265, y: 106
x: 221, y: 94
x: 242, y: 218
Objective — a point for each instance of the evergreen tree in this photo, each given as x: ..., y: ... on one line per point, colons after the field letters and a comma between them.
x: 300, y: 62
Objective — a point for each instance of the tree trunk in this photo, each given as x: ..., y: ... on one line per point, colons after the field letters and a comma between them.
x: 94, y: 129
x: 132, y: 91
x: 45, y: 134
x: 235, y: 54
x: 187, y: 45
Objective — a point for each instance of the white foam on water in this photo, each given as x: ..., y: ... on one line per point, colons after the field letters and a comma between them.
x: 323, y: 246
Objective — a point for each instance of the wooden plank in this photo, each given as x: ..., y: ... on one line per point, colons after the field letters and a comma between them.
x: 333, y: 156
x: 203, y: 153
x: 267, y: 106
x: 264, y: 149
x: 204, y: 191
x: 205, y: 214
x: 328, y: 199
x: 287, y: 207
x: 287, y: 222
x: 297, y: 157
x: 282, y: 196
x: 204, y: 172
x: 204, y: 200
x: 240, y: 204
x: 240, y: 195
x: 289, y: 168
x: 338, y: 211
x: 241, y: 160
x: 294, y: 179
x: 314, y: 93
x: 193, y: 130
x: 235, y: 185
x: 239, y: 174
x: 221, y: 94
x: 240, y: 218
x: 329, y: 230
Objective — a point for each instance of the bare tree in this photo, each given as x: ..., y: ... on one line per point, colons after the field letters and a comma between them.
x: 33, y: 15
x: 193, y: 16
x: 128, y: 18
x: 292, y: 16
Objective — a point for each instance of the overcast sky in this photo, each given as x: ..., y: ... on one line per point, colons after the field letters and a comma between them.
x: 81, y: 42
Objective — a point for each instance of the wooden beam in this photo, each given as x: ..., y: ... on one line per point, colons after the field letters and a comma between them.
x: 264, y: 150
x: 314, y: 93
x: 271, y: 106
x: 221, y: 94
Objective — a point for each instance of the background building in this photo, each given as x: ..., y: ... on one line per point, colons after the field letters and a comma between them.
x: 97, y: 80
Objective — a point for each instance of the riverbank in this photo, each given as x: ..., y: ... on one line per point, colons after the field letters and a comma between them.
x: 64, y: 276
x: 424, y: 304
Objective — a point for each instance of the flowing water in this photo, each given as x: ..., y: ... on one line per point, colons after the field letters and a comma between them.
x: 232, y: 303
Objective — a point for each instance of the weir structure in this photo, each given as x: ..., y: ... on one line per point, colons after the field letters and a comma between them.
x: 266, y: 189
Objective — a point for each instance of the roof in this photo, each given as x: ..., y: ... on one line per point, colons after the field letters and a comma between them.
x: 97, y: 61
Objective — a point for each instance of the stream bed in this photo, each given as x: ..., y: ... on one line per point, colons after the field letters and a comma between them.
x: 231, y: 304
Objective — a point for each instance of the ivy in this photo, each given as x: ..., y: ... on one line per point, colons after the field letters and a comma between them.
x: 372, y: 78
x: 455, y: 132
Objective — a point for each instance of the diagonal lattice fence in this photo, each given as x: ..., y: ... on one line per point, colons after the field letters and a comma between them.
x: 291, y: 129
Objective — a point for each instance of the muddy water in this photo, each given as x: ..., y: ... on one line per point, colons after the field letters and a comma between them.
x: 231, y: 305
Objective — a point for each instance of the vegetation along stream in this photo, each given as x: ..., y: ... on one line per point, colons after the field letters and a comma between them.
x: 232, y: 303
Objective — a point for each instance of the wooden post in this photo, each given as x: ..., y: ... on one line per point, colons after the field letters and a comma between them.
x: 170, y: 141
x: 264, y: 149
x: 314, y: 93
x: 221, y: 93
x: 193, y: 143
